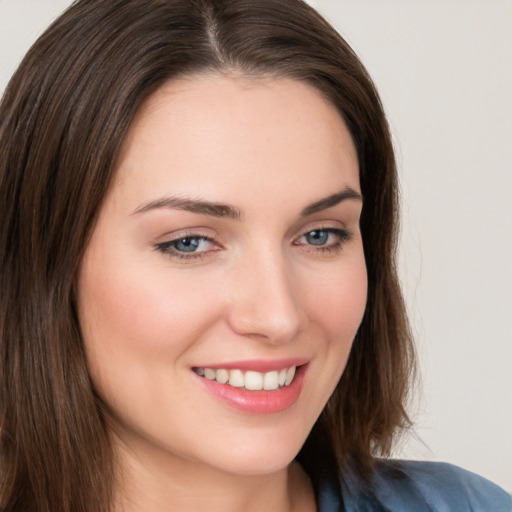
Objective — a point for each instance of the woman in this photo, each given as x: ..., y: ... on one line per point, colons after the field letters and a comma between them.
x: 200, y: 307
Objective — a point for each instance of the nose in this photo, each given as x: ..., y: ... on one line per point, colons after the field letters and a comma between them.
x: 265, y: 301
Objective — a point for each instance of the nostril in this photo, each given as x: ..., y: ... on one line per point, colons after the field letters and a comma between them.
x: 273, y: 327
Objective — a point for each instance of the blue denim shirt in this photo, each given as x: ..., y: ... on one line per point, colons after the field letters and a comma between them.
x: 400, y: 486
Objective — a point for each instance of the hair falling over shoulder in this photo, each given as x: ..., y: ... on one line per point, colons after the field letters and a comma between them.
x: 63, y: 118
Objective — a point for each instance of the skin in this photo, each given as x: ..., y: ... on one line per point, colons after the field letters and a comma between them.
x: 259, y: 290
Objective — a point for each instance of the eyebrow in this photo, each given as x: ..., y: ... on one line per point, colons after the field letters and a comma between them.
x: 192, y: 205
x: 225, y: 210
x: 332, y: 200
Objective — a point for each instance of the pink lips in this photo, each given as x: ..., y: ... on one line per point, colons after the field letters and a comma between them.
x: 258, y: 402
x: 260, y: 365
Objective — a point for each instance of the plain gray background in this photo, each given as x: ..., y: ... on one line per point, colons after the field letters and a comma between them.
x: 444, y: 71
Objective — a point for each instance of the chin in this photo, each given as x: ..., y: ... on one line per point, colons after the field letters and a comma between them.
x: 260, y: 453
x: 262, y: 461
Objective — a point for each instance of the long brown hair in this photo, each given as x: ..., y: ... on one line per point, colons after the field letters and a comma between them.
x: 63, y: 118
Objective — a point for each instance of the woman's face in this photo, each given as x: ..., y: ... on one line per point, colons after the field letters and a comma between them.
x: 228, y: 248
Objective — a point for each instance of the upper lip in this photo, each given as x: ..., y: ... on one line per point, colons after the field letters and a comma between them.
x: 258, y: 365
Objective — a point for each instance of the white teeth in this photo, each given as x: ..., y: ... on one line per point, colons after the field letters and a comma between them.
x: 253, y: 381
x: 236, y: 379
x: 271, y: 381
x: 290, y: 373
x: 209, y: 373
x: 222, y: 376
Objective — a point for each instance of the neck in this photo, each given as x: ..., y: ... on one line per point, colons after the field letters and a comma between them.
x: 146, y: 484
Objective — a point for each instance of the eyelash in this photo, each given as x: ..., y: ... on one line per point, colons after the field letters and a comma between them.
x: 168, y: 248
x: 342, y: 235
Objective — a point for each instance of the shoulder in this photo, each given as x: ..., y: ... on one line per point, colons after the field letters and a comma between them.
x: 410, y: 486
x: 437, y: 486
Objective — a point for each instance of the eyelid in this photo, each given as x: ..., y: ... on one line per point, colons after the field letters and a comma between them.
x: 183, y: 233
x: 165, y: 246
x: 322, y: 225
x: 344, y: 235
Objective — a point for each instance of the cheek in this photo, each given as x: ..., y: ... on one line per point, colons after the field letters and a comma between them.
x: 335, y: 305
x: 337, y: 302
x: 133, y: 320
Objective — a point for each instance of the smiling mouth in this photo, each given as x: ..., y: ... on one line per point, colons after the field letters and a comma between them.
x: 250, y: 380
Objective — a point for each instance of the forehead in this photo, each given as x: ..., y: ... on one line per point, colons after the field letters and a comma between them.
x: 215, y: 130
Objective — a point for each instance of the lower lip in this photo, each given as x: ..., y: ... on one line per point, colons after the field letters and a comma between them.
x: 258, y: 402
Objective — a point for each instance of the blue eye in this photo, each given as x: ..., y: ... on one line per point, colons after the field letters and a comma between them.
x: 325, y: 239
x: 186, y: 246
x: 189, y: 244
x: 317, y: 237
